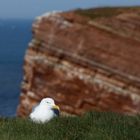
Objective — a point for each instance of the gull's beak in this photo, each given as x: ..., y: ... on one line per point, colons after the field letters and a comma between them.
x: 56, y: 107
x: 56, y: 110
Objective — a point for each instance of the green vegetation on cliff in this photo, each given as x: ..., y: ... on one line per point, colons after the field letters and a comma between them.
x: 105, y: 12
x: 91, y: 126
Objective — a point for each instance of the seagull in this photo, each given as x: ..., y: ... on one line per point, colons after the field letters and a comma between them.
x: 45, y: 111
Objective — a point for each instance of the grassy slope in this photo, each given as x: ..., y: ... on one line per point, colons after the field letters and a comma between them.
x: 105, y: 12
x: 91, y: 126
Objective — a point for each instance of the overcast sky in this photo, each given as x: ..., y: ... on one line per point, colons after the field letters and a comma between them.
x: 33, y: 8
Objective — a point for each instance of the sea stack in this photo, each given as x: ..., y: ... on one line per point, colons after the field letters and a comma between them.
x: 85, y: 60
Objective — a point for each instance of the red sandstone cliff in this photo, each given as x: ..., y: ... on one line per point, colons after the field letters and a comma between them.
x: 85, y: 60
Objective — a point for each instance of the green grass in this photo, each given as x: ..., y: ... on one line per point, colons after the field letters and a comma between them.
x: 91, y: 126
x: 104, y: 11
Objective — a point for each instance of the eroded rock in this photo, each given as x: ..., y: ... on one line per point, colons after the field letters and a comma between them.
x: 83, y: 64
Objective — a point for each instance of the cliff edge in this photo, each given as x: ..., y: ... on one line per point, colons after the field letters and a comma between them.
x: 85, y: 60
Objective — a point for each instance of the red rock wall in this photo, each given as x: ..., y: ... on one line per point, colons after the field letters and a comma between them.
x: 67, y: 60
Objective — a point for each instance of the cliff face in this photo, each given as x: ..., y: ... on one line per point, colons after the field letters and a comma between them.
x: 85, y: 60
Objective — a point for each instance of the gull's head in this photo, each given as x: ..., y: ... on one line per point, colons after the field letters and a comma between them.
x: 50, y: 104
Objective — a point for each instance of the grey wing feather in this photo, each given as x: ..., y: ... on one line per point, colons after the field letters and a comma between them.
x: 56, y: 112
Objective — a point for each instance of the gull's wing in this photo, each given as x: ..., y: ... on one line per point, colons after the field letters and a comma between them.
x: 56, y: 111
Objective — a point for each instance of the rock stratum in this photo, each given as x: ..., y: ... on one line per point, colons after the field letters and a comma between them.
x: 85, y: 60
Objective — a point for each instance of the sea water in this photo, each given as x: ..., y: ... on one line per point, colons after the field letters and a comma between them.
x: 14, y: 38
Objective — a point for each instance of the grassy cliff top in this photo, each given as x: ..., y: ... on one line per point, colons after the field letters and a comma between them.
x: 91, y: 126
x: 105, y: 12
